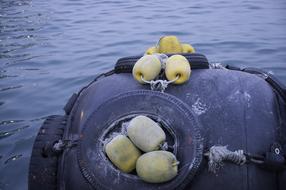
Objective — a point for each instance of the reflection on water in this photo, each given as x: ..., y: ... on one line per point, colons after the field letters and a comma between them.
x: 49, y: 49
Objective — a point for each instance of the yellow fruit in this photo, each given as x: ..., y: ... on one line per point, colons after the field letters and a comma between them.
x: 157, y: 166
x: 169, y: 44
x: 148, y: 67
x: 151, y: 50
x: 187, y: 48
x: 146, y: 134
x: 178, y: 66
x: 122, y: 153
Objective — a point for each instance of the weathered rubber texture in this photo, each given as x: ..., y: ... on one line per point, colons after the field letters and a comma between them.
x: 43, y: 168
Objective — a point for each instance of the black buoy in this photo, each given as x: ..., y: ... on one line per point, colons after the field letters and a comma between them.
x: 242, y: 110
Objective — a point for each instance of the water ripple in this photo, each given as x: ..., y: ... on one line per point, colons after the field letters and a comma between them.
x: 4, y: 134
x: 10, y: 88
x: 8, y: 122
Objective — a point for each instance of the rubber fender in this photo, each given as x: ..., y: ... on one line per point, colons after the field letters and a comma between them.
x: 43, y: 168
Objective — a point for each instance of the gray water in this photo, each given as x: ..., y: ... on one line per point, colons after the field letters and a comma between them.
x: 50, y: 49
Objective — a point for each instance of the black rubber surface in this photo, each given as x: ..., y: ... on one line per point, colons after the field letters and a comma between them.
x: 43, y: 166
x: 181, y: 122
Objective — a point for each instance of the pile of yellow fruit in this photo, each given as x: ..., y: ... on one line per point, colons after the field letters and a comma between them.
x: 140, y: 149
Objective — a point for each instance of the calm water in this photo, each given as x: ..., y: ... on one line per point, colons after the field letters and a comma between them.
x: 50, y: 49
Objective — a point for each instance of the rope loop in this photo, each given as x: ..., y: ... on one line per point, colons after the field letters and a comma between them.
x: 159, y: 85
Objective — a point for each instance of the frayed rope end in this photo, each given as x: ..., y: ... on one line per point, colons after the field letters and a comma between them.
x: 218, y: 154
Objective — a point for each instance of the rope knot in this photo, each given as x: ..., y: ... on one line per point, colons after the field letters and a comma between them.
x: 218, y: 154
x: 216, y: 66
x: 160, y: 85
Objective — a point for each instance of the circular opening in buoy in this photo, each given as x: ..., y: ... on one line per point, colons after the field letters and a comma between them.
x: 119, y: 127
x: 174, y: 117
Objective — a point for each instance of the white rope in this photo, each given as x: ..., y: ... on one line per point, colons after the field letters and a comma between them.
x: 59, y: 145
x: 164, y: 146
x: 218, y: 154
x: 216, y: 66
x: 159, y: 84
